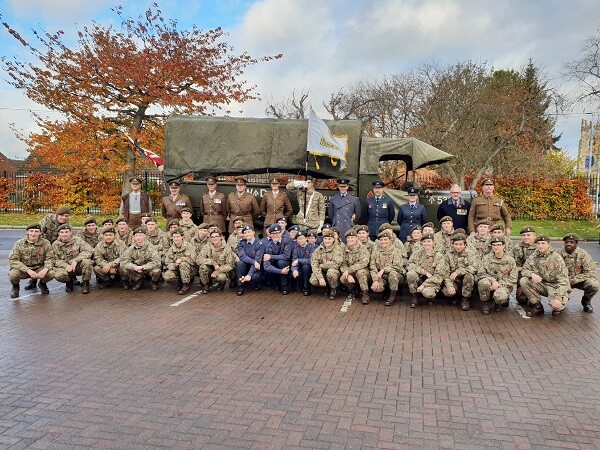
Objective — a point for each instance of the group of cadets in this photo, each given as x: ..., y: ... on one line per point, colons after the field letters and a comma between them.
x: 358, y: 259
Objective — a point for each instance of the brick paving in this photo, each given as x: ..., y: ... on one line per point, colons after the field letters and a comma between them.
x: 119, y: 369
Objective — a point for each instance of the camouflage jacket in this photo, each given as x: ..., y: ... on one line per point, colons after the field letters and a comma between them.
x: 90, y: 239
x: 521, y: 252
x: 189, y: 230
x: 503, y: 270
x: 442, y: 241
x: 550, y: 266
x: 478, y: 244
x: 109, y: 254
x: 31, y: 255
x: 462, y: 263
x: 159, y: 241
x: 355, y: 258
x: 508, y: 245
x: 411, y: 246
x: 326, y: 258
x: 186, y: 252
x: 127, y: 237
x: 74, y: 250
x: 50, y: 226
x: 580, y: 265
x: 145, y: 256
x: 389, y: 260
x: 434, y: 263
x: 222, y: 256
x: 315, y: 215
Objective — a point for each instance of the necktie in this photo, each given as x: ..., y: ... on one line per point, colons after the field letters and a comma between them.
x: 456, y: 205
x: 377, y: 200
x: 412, y: 207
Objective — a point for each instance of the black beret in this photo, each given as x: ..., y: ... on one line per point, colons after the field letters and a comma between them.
x: 542, y: 237
x: 34, y: 226
x: 571, y: 237
x: 64, y: 226
x: 527, y: 229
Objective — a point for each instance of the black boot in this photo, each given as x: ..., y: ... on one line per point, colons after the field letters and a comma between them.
x: 155, y: 285
x: 465, y: 303
x: 391, y: 299
x: 85, y: 287
x: 414, y: 300
x: 365, y: 297
x: 138, y: 285
x: 69, y: 285
x: 185, y: 287
x: 587, y: 305
x: 32, y: 284
x: 332, y: 293
x: 536, y: 310
x: 14, y: 293
x: 44, y: 288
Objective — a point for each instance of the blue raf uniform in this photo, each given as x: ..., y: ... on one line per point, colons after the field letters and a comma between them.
x: 303, y: 268
x: 249, y: 252
x: 341, y: 209
x: 411, y: 214
x: 377, y: 211
x: 280, y: 255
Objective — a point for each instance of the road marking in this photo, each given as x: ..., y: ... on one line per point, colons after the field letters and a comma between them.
x: 182, y: 301
x: 346, y: 305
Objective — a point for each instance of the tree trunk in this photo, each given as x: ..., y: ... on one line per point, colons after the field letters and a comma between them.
x: 131, y: 150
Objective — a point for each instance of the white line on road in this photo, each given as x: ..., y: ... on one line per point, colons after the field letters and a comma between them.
x: 182, y: 301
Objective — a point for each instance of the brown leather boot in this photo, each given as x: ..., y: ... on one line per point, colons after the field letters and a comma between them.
x: 365, y: 297
x: 391, y: 299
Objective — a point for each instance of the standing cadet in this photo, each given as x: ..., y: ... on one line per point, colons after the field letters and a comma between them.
x: 275, y: 204
x: 180, y: 262
x: 489, y: 207
x: 411, y: 214
x: 496, y: 273
x: 171, y: 204
x: 134, y: 204
x: 124, y: 233
x: 250, y: 250
x: 461, y: 263
x: 72, y: 257
x: 242, y: 203
x: 157, y: 237
x: 107, y: 255
x: 90, y: 233
x: 355, y: 267
x: 214, y: 205
x: 387, y: 267
x: 312, y: 217
x: 140, y: 260
x: 301, y: 255
x: 521, y: 252
x: 497, y: 230
x: 427, y: 270
x: 582, y: 270
x: 344, y: 208
x: 216, y: 262
x: 378, y: 210
x: 51, y: 222
x: 325, y: 263
x: 442, y: 239
x: 545, y: 273
x: 479, y: 241
x: 277, y: 258
x: 186, y: 224
x: 455, y: 207
x: 31, y: 257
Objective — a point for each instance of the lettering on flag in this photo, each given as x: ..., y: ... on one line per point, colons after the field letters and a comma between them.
x: 322, y: 142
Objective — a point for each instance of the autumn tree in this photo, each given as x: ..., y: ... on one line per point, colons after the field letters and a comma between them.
x: 123, y: 80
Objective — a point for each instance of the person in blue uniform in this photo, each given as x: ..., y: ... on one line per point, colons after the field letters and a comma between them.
x: 250, y: 251
x: 455, y: 207
x: 277, y: 258
x: 378, y: 210
x: 301, y: 268
x: 411, y: 214
x: 344, y: 208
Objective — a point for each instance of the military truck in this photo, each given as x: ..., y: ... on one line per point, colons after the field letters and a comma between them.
x: 198, y: 147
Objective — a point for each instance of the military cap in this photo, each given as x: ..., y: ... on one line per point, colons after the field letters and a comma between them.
x: 377, y: 183
x: 311, y: 233
x: 203, y: 226
x: 135, y: 180
x: 497, y: 239
x: 416, y: 227
x: 361, y: 228
x: 147, y: 214
x: 64, y: 226
x: 458, y: 237
x: 482, y: 222
x: 248, y: 227
x: 310, y: 177
x: 121, y: 219
x: 274, y: 180
x: 459, y: 231
x: 428, y: 224
x: 237, y: 219
x: 412, y: 191
x: 139, y: 230
x: 241, y: 180
x: 89, y: 220
x: 63, y: 210
x: 427, y: 236
x: 212, y: 225
x: 174, y: 183
x: 446, y: 219
x: 326, y: 225
x: 302, y: 233
x: 488, y: 181
x: 527, y: 229
x: 177, y: 231
x: 343, y: 181
x: 497, y: 226
x: 34, y: 226
x: 150, y: 219
x: 335, y: 230
x: 105, y: 221
x: 542, y: 237
x: 274, y: 227
x: 350, y: 232
x: 173, y: 222
x: 294, y: 228
x: 186, y: 209
x: 571, y: 237
x: 211, y: 180
x: 327, y: 233
x: 281, y: 219
x: 385, y: 226
x: 384, y: 233
x: 108, y: 230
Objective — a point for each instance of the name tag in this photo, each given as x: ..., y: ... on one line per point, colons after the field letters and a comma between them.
x: 384, y: 206
x: 461, y: 212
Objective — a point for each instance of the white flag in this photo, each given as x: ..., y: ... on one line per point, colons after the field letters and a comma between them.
x: 322, y: 142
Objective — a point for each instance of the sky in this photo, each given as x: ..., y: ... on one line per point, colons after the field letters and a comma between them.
x: 331, y: 44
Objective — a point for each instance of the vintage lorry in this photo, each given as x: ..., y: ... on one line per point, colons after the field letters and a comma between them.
x: 200, y: 146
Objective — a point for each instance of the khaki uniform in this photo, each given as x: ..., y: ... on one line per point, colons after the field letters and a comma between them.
x: 146, y: 256
x: 508, y: 245
x: 274, y: 207
x: 183, y: 272
x: 464, y: 264
x: 503, y: 271
x: 30, y: 255
x: 521, y: 252
x: 214, y: 209
x: 478, y: 244
x: 212, y: 256
x: 491, y: 208
x: 411, y: 246
x: 421, y: 263
x: 356, y: 263
x: 126, y: 237
x: 159, y: 240
x: 244, y: 205
x: 75, y: 250
x: 199, y: 245
x: 555, y: 277
x: 90, y: 239
x: 105, y: 254
x: 189, y: 230
x: 582, y: 271
x: 171, y: 206
x: 392, y: 263
x: 315, y: 213
x: 50, y: 226
x: 326, y: 263
x: 442, y: 241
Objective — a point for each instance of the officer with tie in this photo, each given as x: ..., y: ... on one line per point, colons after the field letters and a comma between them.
x: 456, y: 208
x: 411, y: 213
x: 378, y: 210
x: 344, y: 208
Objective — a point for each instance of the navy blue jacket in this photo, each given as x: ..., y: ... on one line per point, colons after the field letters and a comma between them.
x: 459, y: 215
x: 278, y: 251
x: 340, y: 212
x: 408, y: 218
x: 251, y: 252
x: 377, y: 213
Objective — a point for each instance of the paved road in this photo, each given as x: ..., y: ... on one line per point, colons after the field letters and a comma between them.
x: 118, y: 369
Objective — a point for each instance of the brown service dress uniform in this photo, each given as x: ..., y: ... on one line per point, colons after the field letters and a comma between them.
x: 215, y: 209
x: 244, y: 205
x: 491, y: 208
x: 274, y: 207
x: 171, y: 206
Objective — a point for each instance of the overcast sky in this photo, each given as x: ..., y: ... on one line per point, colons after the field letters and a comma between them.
x: 329, y: 44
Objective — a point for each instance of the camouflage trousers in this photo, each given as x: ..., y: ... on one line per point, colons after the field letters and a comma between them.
x: 205, y: 275
x: 332, y: 276
x: 83, y: 268
x: 589, y: 287
x: 16, y: 275
x: 185, y: 273
x: 362, y: 276
x: 534, y: 291
x: 392, y: 279
x: 132, y: 275
x: 519, y: 294
x: 100, y: 275
x: 500, y: 295
x: 463, y: 284
x: 414, y: 280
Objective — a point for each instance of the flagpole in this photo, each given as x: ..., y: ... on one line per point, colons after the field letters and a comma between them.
x: 305, y: 184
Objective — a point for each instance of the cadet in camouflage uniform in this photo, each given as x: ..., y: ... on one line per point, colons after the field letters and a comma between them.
x: 387, y: 267
x: 396, y: 242
x: 124, y: 233
x: 362, y: 233
x: 582, y: 270
x: 156, y: 237
x: 355, y: 267
x: 314, y: 217
x: 442, y: 239
x: 51, y: 222
x: 201, y: 239
x: 427, y: 270
x: 31, y: 257
x: 90, y: 233
x: 187, y: 225
x: 107, y: 255
x: 232, y: 242
x: 180, y: 262
x: 545, y: 273
x: 325, y: 262
x: 461, y: 262
x: 521, y: 252
x: 497, y: 273
x: 72, y: 257
x: 139, y: 260
x: 479, y: 241
x: 216, y: 262
x: 498, y: 231
x: 413, y: 241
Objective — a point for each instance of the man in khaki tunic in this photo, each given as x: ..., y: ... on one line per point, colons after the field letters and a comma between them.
x: 242, y: 203
x: 171, y: 204
x: 582, y: 270
x: 490, y: 207
x: 311, y: 217
x: 274, y: 204
x: 214, y: 205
